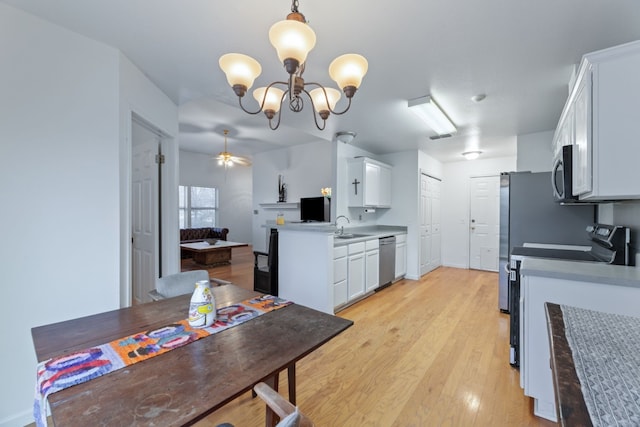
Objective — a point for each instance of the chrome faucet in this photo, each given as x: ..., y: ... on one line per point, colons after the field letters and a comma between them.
x: 342, y: 227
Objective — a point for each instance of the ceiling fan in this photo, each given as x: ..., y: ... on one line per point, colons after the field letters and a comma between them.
x: 227, y: 159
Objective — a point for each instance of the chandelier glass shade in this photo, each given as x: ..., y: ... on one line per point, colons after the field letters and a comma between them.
x: 293, y: 39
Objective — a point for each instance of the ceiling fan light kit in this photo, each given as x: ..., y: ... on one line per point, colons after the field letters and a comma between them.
x: 293, y: 39
x: 226, y: 159
x: 430, y: 112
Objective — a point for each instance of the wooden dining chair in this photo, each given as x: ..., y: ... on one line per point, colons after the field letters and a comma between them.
x: 289, y: 414
x: 265, y: 269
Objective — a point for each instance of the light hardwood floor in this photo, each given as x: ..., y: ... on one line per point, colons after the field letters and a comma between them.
x: 432, y: 352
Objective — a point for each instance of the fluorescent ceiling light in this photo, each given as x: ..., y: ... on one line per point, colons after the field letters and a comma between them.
x: 427, y: 109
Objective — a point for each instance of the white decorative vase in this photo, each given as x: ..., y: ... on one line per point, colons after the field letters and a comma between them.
x: 202, y: 310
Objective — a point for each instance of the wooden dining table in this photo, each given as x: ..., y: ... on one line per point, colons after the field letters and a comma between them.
x: 186, y: 384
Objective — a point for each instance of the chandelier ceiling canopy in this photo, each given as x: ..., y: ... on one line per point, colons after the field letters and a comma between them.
x: 293, y: 39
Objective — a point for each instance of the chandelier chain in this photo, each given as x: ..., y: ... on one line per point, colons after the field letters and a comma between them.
x: 294, y: 6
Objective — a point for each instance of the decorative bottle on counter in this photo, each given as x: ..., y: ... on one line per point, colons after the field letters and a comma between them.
x: 202, y: 309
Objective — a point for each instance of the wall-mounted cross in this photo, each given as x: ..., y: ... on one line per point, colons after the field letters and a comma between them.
x: 355, y: 184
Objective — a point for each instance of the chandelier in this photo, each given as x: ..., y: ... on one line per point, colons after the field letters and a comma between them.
x: 293, y: 39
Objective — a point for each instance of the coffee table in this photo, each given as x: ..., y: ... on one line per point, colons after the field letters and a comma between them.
x: 208, y: 254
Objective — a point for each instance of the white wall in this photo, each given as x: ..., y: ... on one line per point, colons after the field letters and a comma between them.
x: 59, y: 179
x: 306, y: 169
x: 234, y: 191
x: 140, y: 97
x: 534, y: 152
x: 455, y: 205
x: 65, y: 104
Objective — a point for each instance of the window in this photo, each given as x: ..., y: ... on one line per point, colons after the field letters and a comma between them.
x: 197, y: 206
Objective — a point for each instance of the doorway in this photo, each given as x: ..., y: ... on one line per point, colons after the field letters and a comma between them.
x: 484, y: 222
x: 430, y: 234
x: 146, y: 161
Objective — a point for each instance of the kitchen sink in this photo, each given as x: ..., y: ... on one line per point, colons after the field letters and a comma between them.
x: 350, y: 236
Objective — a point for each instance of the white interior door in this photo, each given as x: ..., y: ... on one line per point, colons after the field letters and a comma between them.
x: 484, y: 222
x: 425, y: 225
x: 144, y: 211
x: 435, y: 187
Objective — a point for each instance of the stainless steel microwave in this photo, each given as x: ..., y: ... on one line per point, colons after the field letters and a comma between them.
x: 561, y: 178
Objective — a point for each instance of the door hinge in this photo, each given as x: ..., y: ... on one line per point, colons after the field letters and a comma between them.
x: 160, y: 159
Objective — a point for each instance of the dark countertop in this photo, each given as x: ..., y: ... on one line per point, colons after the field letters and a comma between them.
x: 570, y: 404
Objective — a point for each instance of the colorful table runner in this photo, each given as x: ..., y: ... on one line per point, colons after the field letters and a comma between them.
x: 78, y: 367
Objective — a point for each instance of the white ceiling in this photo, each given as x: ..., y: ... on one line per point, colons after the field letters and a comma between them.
x: 519, y: 53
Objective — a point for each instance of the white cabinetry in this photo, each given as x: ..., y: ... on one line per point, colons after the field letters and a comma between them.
x: 372, y: 264
x: 600, y: 120
x: 564, y: 131
x: 340, y: 291
x: 355, y: 270
x: 540, y: 287
x: 369, y: 183
x: 385, y: 186
x: 401, y: 256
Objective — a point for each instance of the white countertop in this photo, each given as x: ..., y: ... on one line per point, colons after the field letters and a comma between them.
x: 595, y: 272
x: 369, y: 231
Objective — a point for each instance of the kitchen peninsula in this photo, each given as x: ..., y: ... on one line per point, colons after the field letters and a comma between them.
x: 306, y: 262
x: 586, y: 285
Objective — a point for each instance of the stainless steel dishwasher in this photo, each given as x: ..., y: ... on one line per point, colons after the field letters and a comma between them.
x: 387, y: 260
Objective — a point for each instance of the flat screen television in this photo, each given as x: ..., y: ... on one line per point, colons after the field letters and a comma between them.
x: 314, y: 209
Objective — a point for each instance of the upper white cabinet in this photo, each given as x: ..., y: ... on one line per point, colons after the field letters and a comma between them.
x: 369, y: 183
x: 600, y: 119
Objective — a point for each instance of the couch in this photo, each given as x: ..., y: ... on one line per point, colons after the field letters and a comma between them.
x: 190, y: 235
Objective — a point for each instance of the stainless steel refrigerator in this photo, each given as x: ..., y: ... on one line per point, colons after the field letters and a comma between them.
x: 529, y: 214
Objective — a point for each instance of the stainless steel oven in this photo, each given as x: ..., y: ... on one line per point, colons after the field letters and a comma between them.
x: 609, y: 244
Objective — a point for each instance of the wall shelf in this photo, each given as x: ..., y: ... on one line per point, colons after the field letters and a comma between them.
x: 283, y: 205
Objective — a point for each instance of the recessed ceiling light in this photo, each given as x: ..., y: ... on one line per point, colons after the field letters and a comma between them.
x: 479, y: 97
x: 472, y: 155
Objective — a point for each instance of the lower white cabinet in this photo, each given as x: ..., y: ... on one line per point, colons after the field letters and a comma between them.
x: 535, y: 290
x: 401, y: 256
x: 340, y: 291
x: 372, y: 264
x: 355, y: 270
